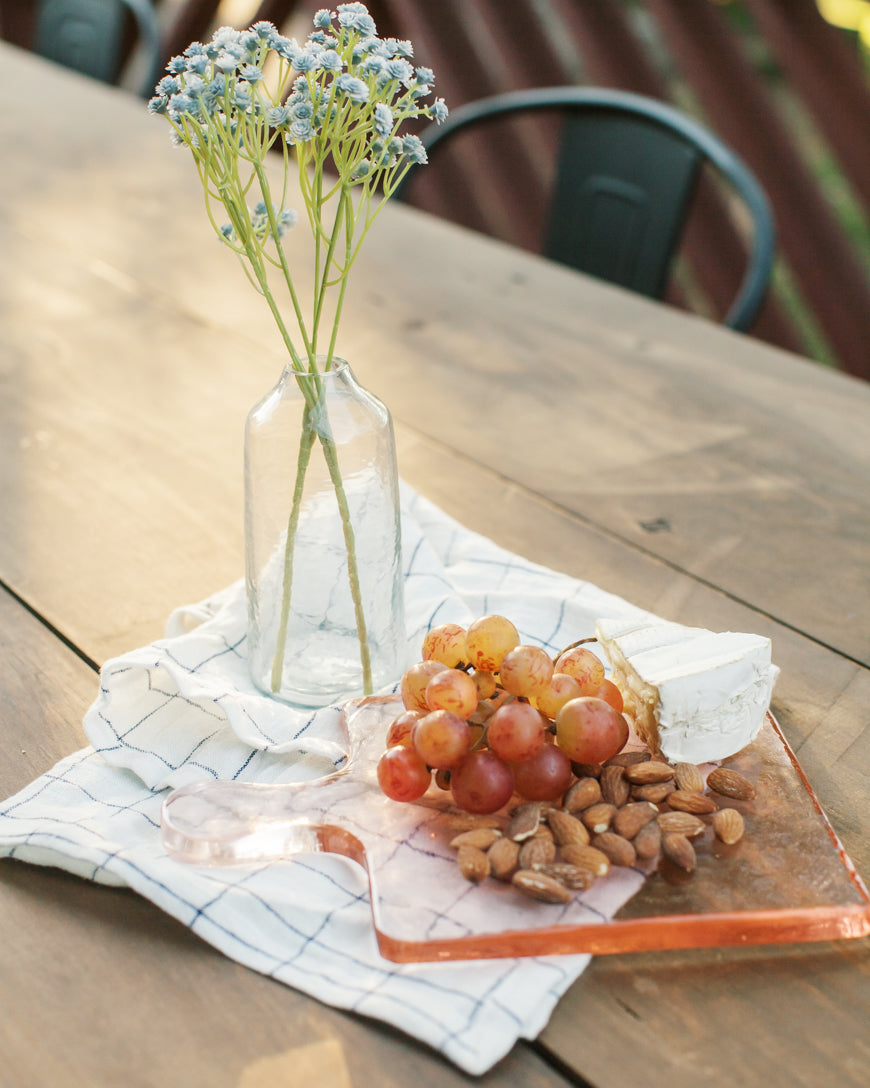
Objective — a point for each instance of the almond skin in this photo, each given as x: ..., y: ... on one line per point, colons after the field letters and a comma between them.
x: 689, y: 801
x: 632, y: 817
x: 539, y: 886
x: 728, y: 783
x: 652, y: 770
x: 614, y: 785
x: 481, y: 837
x: 680, y: 823
x: 584, y: 792
x: 689, y: 777
x: 473, y: 864
x: 567, y: 828
x: 618, y: 850
x: 504, y: 858
x: 587, y: 857
x: 598, y: 818
x: 572, y: 876
x: 728, y: 825
x: 680, y: 851
x: 647, y: 842
x: 536, y: 851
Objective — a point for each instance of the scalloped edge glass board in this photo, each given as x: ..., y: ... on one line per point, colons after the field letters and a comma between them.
x: 788, y: 880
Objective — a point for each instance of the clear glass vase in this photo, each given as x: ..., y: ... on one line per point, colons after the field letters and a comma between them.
x: 323, y: 540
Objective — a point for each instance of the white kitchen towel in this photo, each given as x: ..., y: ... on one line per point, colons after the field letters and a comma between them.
x: 184, y: 709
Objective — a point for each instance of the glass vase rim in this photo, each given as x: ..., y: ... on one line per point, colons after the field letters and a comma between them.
x: 338, y: 365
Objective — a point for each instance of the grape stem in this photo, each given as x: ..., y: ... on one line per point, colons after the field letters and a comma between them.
x: 573, y: 645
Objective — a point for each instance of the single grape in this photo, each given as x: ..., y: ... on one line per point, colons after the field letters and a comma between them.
x: 488, y: 640
x: 584, y: 666
x: 516, y: 731
x: 452, y: 690
x: 561, y: 688
x: 414, y: 681
x: 441, y: 739
x: 610, y: 693
x: 446, y: 643
x: 482, y: 783
x: 544, y: 777
x: 402, y: 774
x: 525, y: 670
x: 399, y: 731
x: 589, y: 730
x: 485, y: 682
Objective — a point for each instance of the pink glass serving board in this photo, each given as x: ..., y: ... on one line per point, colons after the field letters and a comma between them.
x: 787, y: 880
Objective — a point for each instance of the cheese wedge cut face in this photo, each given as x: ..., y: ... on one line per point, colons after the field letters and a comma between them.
x: 692, y: 695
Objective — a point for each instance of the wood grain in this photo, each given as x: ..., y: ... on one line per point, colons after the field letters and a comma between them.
x: 695, y: 472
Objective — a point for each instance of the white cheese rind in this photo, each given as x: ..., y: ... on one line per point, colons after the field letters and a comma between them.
x: 693, y: 695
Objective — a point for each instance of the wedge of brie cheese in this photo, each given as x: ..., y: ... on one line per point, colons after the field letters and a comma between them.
x: 691, y: 695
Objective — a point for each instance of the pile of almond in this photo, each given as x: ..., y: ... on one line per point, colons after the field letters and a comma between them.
x: 633, y: 809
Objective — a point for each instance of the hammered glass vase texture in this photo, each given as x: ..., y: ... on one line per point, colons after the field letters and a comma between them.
x: 323, y: 540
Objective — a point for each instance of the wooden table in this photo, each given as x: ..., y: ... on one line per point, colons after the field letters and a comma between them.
x: 695, y: 472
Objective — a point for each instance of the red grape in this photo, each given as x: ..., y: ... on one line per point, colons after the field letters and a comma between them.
x: 516, y: 731
x: 399, y: 731
x: 441, y: 739
x: 545, y: 776
x: 402, y: 774
x: 610, y: 693
x: 482, y: 783
x: 589, y: 730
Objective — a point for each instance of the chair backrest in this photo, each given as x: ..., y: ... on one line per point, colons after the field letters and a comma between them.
x: 89, y: 36
x: 627, y: 169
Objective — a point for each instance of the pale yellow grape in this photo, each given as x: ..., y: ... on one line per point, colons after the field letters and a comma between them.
x: 559, y: 691
x: 584, y: 666
x: 486, y: 684
x: 414, y: 682
x: 525, y: 671
x: 446, y: 643
x: 488, y: 640
x: 452, y: 690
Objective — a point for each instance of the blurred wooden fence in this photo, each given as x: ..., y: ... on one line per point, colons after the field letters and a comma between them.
x: 786, y: 90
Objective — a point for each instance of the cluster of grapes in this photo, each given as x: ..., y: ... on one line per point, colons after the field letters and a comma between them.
x: 492, y: 717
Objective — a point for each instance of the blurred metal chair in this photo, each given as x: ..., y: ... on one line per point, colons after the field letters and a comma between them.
x: 90, y: 36
x: 627, y: 170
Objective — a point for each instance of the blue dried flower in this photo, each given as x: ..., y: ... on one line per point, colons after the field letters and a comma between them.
x: 382, y: 119
x: 286, y: 48
x: 412, y: 146
x: 323, y: 18
x: 158, y: 104
x: 301, y: 130
x: 400, y: 69
x: 356, y: 17
x: 197, y: 64
x: 265, y: 30
x: 330, y: 61
x: 355, y: 89
x: 195, y: 49
x: 226, y: 63
x: 176, y: 66
x: 251, y: 73
x: 277, y: 116
x: 304, y: 61
x: 439, y: 111
x: 424, y: 75
x: 168, y: 85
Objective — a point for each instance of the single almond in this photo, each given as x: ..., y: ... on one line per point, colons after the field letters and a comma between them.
x: 524, y: 822
x: 647, y: 842
x: 680, y: 851
x: 728, y: 825
x: 583, y: 793
x: 656, y: 792
x: 586, y: 770
x: 536, y: 851
x: 504, y: 856
x: 614, y: 785
x: 598, y: 818
x: 653, y: 770
x: 566, y: 828
x: 618, y: 850
x: 689, y: 801
x: 481, y: 837
x: 473, y: 863
x: 632, y: 817
x: 587, y: 857
x: 688, y: 777
x: 539, y: 886
x: 680, y: 823
x: 730, y: 783
x: 628, y: 759
x: 572, y: 876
